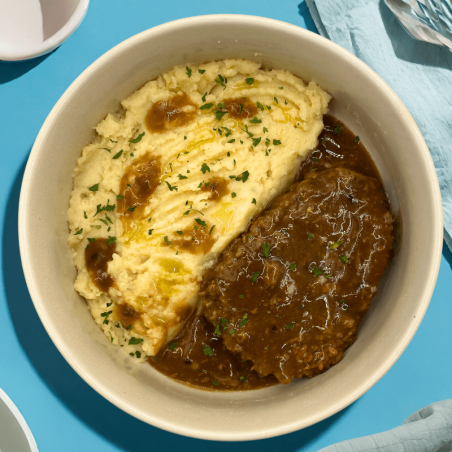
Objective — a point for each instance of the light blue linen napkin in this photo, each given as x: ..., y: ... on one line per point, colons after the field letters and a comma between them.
x: 420, y: 73
x: 427, y: 430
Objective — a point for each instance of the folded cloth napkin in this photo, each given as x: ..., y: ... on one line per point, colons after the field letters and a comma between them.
x: 420, y: 73
x: 427, y: 430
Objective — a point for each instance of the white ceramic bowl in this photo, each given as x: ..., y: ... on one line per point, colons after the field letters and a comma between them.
x: 361, y: 99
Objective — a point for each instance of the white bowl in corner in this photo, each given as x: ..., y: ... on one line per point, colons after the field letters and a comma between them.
x: 362, y: 100
x: 31, y: 28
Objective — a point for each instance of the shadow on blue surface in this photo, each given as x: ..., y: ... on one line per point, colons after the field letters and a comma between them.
x: 86, y: 404
x: 303, y: 11
x: 10, y: 70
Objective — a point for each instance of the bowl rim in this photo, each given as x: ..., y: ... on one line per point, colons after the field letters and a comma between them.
x: 51, y: 43
x: 437, y: 236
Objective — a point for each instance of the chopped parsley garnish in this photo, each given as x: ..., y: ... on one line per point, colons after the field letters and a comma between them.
x: 233, y: 195
x: 241, y: 296
x: 334, y: 245
x: 172, y: 346
x: 79, y: 232
x: 106, y: 314
x: 131, y: 209
x: 150, y: 231
x: 231, y: 331
x: 111, y: 240
x: 253, y: 201
x: 240, y: 108
x: 344, y: 259
x: 265, y: 129
x: 289, y: 326
x: 249, y: 81
x: 109, y: 150
x: 204, y: 97
x: 207, y: 350
x: 217, y: 330
x: 92, y: 240
x: 266, y: 347
x: 254, y: 277
x: 344, y: 304
x: 244, y: 321
x: 113, y: 141
x: 84, y: 215
x: 256, y: 141
x: 243, y: 177
x: 292, y: 266
x: 179, y: 232
x: 188, y: 72
x: 200, y: 222
x: 221, y: 105
x: 205, y: 168
x: 118, y: 155
x: 256, y: 120
x: 338, y: 129
x: 171, y: 187
x: 260, y: 106
x: 266, y: 249
x: 215, y: 382
x: 119, y: 197
x: 193, y: 210
x: 315, y: 160
x: 250, y: 135
x: 313, y: 169
x: 317, y: 271
x: 356, y: 139
x: 221, y: 81
x: 138, y: 138
x: 211, y: 229
x: 201, y: 71
x: 166, y: 240
x: 276, y: 142
x: 137, y: 354
x: 95, y: 187
x: 219, y: 115
x: 181, y: 177
x: 310, y: 236
x: 206, y: 106
x: 135, y: 341
x: 276, y: 100
x: 231, y: 141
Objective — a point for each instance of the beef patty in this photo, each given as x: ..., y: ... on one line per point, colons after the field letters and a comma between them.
x: 294, y: 288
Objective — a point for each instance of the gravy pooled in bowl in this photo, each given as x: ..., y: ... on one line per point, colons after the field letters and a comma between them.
x: 286, y: 298
x: 171, y: 179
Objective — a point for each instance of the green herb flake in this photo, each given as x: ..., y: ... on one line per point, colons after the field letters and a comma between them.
x: 253, y: 201
x: 315, y: 160
x: 254, y: 277
x: 344, y: 259
x: 221, y: 81
x: 138, y: 138
x: 266, y: 347
x: 356, y: 139
x: 276, y: 100
x: 265, y: 130
x: 131, y: 209
x: 219, y: 115
x: 172, y: 346
x: 289, y: 326
x: 111, y: 240
x: 266, y: 249
x: 256, y: 120
x: 201, y: 71
x: 109, y: 150
x: 207, y: 350
x: 243, y: 177
x: 150, y: 231
x: 231, y: 331
x: 181, y: 177
x: 338, y: 129
x: 79, y: 232
x: 211, y: 229
x: 233, y: 195
x: 335, y: 245
x: 95, y: 187
x: 135, y: 341
x: 171, y: 187
x: 167, y: 241
x: 231, y: 141
x: 217, y: 330
x: 256, y: 141
x: 249, y: 81
x: 200, y: 222
x: 276, y: 142
x: 244, y: 320
x: 310, y: 236
x: 215, y: 382
x: 113, y: 141
x: 119, y: 197
x: 317, y: 271
x: 188, y: 71
x: 205, y: 168
x: 292, y: 267
x: 206, y: 106
x: 115, y: 157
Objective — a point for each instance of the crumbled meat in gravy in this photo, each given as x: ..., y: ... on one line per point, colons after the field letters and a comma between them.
x: 286, y: 298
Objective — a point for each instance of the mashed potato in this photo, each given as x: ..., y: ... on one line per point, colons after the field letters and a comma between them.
x: 171, y: 179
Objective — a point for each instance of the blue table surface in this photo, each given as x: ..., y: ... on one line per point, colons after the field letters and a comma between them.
x: 63, y: 412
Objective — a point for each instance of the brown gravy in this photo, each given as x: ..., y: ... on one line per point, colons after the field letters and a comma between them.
x: 196, y: 240
x: 168, y: 113
x: 217, y: 187
x: 98, y: 254
x: 241, y: 108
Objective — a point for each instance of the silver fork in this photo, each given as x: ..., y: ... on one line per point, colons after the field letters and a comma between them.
x: 425, y: 20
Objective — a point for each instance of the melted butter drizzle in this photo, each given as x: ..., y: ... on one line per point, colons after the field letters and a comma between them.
x: 169, y: 113
x: 97, y: 256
